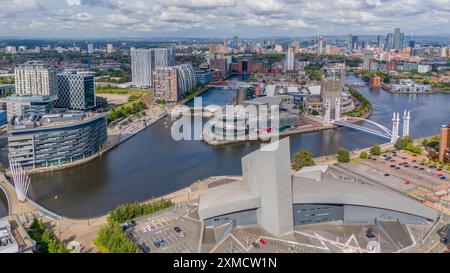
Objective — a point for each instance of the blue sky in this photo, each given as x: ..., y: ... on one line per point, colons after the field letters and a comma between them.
x: 220, y: 18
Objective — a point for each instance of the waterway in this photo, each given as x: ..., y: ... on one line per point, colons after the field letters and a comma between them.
x: 3, y: 204
x: 152, y: 164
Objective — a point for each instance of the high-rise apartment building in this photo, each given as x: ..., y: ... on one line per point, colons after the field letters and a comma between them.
x: 34, y: 78
x: 333, y: 81
x: 320, y: 45
x: 76, y: 90
x: 109, y: 48
x: 289, y: 64
x: 172, y: 82
x: 144, y: 61
x: 368, y: 56
x: 90, y: 48
x: 444, y: 144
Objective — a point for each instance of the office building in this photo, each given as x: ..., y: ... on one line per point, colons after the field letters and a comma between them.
x: 172, y: 82
x: 289, y: 63
x: 203, y: 76
x: 333, y: 81
x: 235, y: 41
x: 270, y: 197
x: 76, y: 90
x: 56, y: 139
x: 27, y: 106
x: 444, y: 144
x: 380, y: 42
x: 355, y: 42
x: 35, y: 79
x: 350, y: 42
x: 390, y: 41
x: 144, y: 61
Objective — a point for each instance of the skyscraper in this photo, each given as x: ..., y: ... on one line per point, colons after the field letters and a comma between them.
x: 350, y: 42
x: 380, y: 42
x: 390, y: 41
x: 235, y: 41
x: 109, y: 48
x: 144, y: 61
x: 355, y: 42
x: 398, y: 39
x: 90, y: 48
x: 368, y: 55
x: 34, y: 78
x: 76, y: 90
x: 289, y: 64
x: 319, y: 45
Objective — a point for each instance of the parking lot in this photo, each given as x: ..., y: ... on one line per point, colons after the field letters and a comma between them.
x: 166, y: 233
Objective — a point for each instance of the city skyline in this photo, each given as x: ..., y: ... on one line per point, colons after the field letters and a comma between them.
x: 219, y: 18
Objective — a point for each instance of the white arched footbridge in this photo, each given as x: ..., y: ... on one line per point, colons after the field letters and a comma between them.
x: 378, y: 129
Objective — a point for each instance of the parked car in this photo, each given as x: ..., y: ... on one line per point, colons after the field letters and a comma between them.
x: 159, y: 243
x: 177, y: 229
x: 128, y: 225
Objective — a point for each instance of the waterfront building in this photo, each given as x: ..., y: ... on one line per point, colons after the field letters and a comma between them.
x: 409, y: 86
x: 172, y: 82
x: 270, y: 197
x: 34, y: 78
x: 56, y: 139
x: 204, y: 76
x: 289, y: 64
x: 14, y: 238
x: 375, y: 82
x: 28, y: 106
x: 423, y: 68
x: 333, y: 81
x: 76, y: 90
x: 144, y: 61
x: 444, y: 144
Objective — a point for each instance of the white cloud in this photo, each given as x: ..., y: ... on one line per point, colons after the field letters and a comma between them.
x: 256, y: 17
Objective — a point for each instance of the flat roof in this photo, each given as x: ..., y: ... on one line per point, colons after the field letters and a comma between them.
x: 228, y: 198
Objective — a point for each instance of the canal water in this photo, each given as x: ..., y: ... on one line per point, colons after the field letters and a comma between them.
x: 152, y: 164
x: 3, y: 204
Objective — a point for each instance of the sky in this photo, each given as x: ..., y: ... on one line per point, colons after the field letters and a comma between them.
x: 220, y: 18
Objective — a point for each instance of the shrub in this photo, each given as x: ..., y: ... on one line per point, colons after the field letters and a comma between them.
x: 343, y: 155
x: 375, y: 150
x: 303, y: 158
x: 363, y: 155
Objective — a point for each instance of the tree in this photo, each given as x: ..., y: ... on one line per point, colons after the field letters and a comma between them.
x: 363, y: 155
x: 303, y: 158
x: 343, y: 155
x: 375, y: 150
